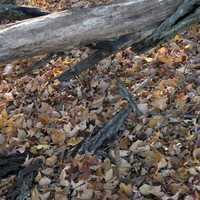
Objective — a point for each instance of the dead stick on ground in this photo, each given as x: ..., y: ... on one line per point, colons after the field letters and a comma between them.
x: 110, y: 131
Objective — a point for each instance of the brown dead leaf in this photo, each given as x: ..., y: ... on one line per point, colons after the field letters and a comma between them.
x: 85, y: 164
x: 146, y: 190
x: 160, y: 103
x: 126, y: 189
x: 35, y: 194
x: 74, y: 141
x: 51, y: 161
x: 181, y: 100
x: 58, y: 137
x: 196, y: 154
x: 60, y: 196
x: 44, y: 118
x: 156, y: 121
x: 163, y: 56
x: 86, y: 194
x: 109, y: 175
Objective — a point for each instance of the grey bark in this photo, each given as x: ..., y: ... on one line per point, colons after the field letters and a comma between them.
x: 66, y: 30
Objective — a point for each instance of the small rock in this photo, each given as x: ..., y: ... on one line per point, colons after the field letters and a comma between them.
x: 58, y: 137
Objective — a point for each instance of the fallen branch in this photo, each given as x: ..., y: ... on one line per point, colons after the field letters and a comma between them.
x: 14, y: 165
x: 110, y: 131
x: 106, y: 134
x: 187, y: 13
x: 11, y: 164
x: 24, y: 181
x: 107, y: 48
x: 127, y: 96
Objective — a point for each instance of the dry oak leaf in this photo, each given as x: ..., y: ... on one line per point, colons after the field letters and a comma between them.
x: 160, y: 103
x: 126, y: 188
x: 146, y: 190
x: 181, y: 100
x: 156, y: 121
x: 58, y: 137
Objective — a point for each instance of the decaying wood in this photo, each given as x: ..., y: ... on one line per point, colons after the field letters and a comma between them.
x: 106, y: 49
x: 106, y: 134
x: 11, y: 164
x: 128, y: 97
x: 14, y: 165
x: 188, y: 11
x: 185, y: 15
x: 66, y: 30
x: 111, y: 130
x: 24, y: 181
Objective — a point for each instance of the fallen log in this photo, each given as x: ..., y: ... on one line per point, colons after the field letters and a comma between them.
x: 66, y: 30
x: 185, y: 15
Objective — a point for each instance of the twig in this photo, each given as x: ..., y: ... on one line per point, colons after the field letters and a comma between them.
x: 126, y: 95
x: 144, y: 83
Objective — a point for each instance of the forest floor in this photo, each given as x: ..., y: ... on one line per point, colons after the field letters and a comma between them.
x: 157, y: 155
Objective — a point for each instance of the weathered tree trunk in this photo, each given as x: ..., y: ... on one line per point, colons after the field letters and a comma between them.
x: 65, y: 30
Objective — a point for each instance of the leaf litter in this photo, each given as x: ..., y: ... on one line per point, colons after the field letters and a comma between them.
x: 156, y: 155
